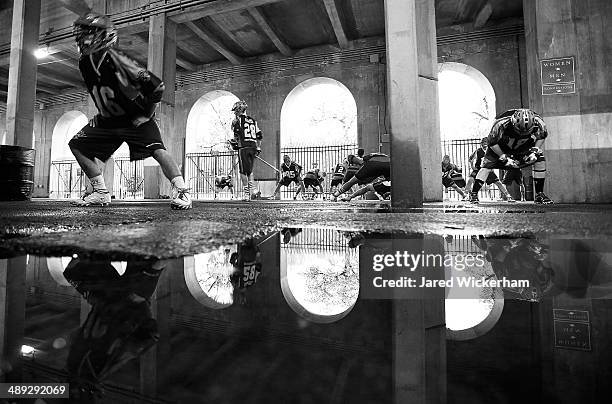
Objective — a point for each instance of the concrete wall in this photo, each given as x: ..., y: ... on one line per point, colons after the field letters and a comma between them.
x: 579, y: 148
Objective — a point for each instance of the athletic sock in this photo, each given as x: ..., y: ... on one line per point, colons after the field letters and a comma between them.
x: 178, y: 182
x: 97, y: 183
x: 477, y: 185
x: 539, y: 185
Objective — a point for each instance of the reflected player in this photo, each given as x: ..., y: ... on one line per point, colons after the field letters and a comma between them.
x: 247, y: 268
x: 515, y: 141
x: 291, y: 172
x: 247, y: 140
x: 373, y: 165
x: 476, y: 162
x: 126, y: 96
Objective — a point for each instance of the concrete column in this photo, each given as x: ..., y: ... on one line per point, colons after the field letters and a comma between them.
x: 579, y: 146
x: 412, y: 83
x: 22, y: 73
x: 162, y: 62
x: 12, y: 317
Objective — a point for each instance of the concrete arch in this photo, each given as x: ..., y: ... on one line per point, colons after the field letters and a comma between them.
x: 207, y: 277
x: 319, y: 111
x: 209, y: 121
x: 323, y: 312
x: 466, y: 92
x: 65, y: 128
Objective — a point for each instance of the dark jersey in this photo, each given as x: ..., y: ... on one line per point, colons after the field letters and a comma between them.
x: 247, y: 265
x: 339, y: 172
x: 292, y: 170
x: 315, y: 175
x: 246, y: 132
x: 223, y: 181
x: 477, y: 156
x: 381, y: 157
x: 512, y: 143
x: 119, y: 86
x: 449, y: 167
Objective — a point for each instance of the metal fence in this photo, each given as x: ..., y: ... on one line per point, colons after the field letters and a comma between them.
x: 128, y: 180
x: 201, y: 169
x: 324, y: 158
x: 67, y: 180
x: 459, y: 152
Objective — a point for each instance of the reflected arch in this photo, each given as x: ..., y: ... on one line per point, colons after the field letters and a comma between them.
x: 207, y: 277
x: 319, y: 275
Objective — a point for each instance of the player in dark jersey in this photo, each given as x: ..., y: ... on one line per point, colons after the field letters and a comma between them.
x: 291, y: 172
x: 515, y: 141
x: 222, y: 182
x: 452, y: 177
x: 353, y: 164
x: 126, y: 96
x: 247, y: 138
x: 314, y: 179
x: 476, y: 163
x: 373, y: 165
x: 247, y: 268
x: 337, y: 177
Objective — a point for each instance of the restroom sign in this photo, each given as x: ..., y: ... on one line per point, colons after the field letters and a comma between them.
x: 558, y: 76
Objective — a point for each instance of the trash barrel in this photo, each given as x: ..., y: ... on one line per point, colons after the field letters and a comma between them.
x: 16, y: 173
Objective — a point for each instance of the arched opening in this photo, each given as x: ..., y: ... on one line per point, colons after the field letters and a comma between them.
x: 207, y: 277
x: 319, y: 275
x: 318, y: 126
x: 467, y: 112
x: 67, y: 180
x: 207, y: 152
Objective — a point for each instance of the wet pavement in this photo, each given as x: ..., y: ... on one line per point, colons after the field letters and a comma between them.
x: 152, y: 229
x: 292, y: 315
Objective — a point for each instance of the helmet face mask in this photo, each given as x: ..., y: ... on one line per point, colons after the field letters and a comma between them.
x: 93, y: 33
x: 239, y: 107
x: 523, y: 120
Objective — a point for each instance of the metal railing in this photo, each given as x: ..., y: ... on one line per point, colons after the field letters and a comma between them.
x: 201, y: 169
x: 459, y: 152
x: 128, y: 180
x: 67, y: 180
x: 324, y: 158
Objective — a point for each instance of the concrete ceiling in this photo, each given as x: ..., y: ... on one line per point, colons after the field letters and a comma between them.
x: 224, y: 30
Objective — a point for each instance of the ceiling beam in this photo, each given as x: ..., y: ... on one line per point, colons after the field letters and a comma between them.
x: 66, y: 62
x: 214, y: 43
x: 39, y: 87
x: 219, y: 7
x: 228, y: 32
x: 186, y: 65
x: 483, y: 15
x: 462, y: 10
x: 79, y: 7
x: 52, y: 78
x: 334, y: 17
x: 269, y: 31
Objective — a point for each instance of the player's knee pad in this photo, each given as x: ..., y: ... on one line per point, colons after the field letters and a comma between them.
x: 483, y: 174
x: 539, y: 169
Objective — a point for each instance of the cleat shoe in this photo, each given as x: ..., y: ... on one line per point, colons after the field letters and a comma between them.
x: 180, y: 199
x: 474, y: 198
x: 542, y: 199
x: 508, y: 198
x: 95, y: 198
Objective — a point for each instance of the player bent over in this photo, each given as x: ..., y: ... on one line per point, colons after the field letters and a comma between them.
x: 314, y: 179
x: 337, y: 177
x: 515, y: 142
x: 222, y: 182
x: 452, y: 177
x: 373, y: 165
x: 476, y: 163
x: 126, y: 96
x: 380, y: 186
x: 247, y: 138
x: 291, y: 172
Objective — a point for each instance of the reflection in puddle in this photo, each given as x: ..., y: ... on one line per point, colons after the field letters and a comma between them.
x: 287, y: 315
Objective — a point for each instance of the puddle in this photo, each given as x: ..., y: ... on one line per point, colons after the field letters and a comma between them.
x: 296, y: 315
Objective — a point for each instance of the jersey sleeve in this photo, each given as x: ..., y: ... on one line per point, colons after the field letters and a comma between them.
x: 473, y: 155
x: 496, y: 132
x: 135, y: 80
x: 541, y: 131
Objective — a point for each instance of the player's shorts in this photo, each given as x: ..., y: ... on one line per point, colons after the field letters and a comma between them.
x: 491, y: 179
x: 449, y: 181
x: 105, y: 138
x: 246, y: 159
x: 286, y: 181
x: 311, y: 182
x: 372, y: 169
x: 491, y: 160
x: 336, y: 182
x: 513, y: 175
x: 382, y: 187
